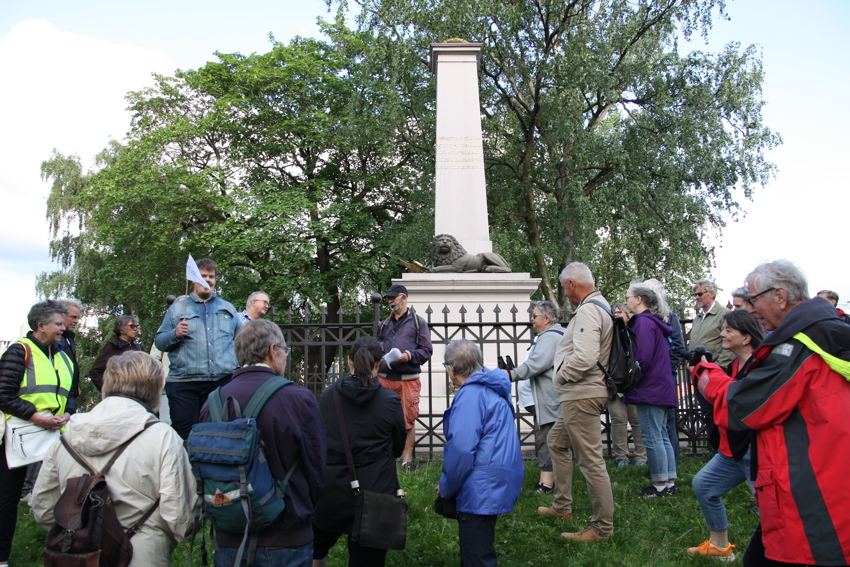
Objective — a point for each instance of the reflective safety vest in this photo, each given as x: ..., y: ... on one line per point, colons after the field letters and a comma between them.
x: 46, y: 383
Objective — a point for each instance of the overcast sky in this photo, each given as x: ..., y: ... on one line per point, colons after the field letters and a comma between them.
x: 68, y: 66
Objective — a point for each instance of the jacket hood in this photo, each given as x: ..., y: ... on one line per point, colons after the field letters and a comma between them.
x: 110, y: 424
x: 496, y: 380
x: 351, y: 389
x: 666, y: 329
x: 816, y: 324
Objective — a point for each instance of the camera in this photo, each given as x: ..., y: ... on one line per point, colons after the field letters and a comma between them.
x: 698, y: 353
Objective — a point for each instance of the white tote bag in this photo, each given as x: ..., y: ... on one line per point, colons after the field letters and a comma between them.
x: 26, y: 442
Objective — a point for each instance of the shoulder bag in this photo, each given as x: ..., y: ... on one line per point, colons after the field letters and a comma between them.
x: 380, y: 520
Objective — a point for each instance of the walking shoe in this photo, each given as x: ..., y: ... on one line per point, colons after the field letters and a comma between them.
x: 550, y: 511
x: 671, y: 490
x: 586, y: 536
x: 409, y: 466
x: 640, y: 463
x: 622, y: 463
x: 541, y: 488
x: 652, y: 492
x: 706, y: 548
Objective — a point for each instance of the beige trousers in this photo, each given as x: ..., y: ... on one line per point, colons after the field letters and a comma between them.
x: 621, y: 415
x: 580, y: 429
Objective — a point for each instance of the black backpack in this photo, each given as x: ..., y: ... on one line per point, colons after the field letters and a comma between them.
x: 623, y: 373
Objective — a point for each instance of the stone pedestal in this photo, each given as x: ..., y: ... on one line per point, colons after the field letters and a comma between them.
x: 446, y: 294
x: 461, y: 197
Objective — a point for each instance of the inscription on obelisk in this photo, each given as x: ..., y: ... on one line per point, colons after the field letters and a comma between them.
x: 461, y: 196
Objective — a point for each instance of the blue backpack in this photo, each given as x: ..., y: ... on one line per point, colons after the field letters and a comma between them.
x: 238, y: 490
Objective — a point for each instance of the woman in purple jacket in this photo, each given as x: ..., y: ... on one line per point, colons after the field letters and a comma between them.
x: 656, y: 392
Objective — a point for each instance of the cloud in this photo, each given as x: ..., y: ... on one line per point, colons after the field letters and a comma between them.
x: 63, y: 91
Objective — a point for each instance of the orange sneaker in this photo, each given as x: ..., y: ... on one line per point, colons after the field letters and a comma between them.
x: 706, y: 548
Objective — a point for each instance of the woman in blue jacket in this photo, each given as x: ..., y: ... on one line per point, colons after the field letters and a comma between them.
x: 482, y: 462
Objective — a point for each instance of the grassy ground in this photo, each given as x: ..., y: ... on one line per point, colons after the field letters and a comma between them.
x: 648, y: 532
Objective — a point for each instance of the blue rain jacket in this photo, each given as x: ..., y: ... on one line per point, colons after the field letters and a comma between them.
x: 482, y: 462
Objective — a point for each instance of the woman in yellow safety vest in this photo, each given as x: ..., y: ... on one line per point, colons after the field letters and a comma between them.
x: 35, y: 375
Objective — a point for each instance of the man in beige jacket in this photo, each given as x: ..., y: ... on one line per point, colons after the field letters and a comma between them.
x: 583, y: 394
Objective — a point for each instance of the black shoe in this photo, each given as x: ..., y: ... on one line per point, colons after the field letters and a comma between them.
x: 652, y: 492
x: 541, y: 488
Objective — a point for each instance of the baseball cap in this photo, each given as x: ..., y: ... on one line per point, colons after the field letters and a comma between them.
x: 394, y: 290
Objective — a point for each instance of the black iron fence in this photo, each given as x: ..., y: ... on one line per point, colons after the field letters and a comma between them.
x: 320, y: 343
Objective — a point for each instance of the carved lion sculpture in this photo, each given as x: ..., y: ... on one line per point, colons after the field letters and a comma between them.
x: 447, y: 255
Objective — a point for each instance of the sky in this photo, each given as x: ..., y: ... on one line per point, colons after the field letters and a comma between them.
x: 68, y: 66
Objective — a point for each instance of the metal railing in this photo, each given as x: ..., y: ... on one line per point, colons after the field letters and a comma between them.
x: 320, y: 343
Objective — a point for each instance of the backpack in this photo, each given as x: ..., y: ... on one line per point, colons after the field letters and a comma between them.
x: 238, y: 491
x: 87, y: 532
x: 623, y: 373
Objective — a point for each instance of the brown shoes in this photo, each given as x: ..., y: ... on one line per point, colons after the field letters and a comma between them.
x: 550, y: 511
x: 586, y: 536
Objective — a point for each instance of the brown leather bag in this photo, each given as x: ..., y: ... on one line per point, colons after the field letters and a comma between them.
x: 87, y: 532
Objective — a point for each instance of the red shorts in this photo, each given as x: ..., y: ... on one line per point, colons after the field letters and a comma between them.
x: 408, y: 391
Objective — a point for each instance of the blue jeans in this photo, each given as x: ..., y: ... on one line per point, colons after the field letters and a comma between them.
x: 659, y: 451
x: 477, y: 540
x: 719, y: 475
x: 673, y: 432
x: 268, y: 556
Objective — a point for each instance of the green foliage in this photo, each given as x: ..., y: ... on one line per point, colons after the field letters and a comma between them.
x: 284, y: 167
x: 603, y: 143
x: 647, y: 532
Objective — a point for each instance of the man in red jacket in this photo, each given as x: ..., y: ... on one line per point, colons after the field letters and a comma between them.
x: 796, y: 396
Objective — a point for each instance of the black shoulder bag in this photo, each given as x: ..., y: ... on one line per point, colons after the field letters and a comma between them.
x: 380, y: 520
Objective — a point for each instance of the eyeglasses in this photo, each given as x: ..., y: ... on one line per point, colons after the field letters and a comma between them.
x: 536, y: 316
x: 133, y: 326
x: 752, y: 300
x: 700, y: 293
x: 286, y: 350
x: 263, y: 301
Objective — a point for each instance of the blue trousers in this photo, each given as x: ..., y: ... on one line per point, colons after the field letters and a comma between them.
x: 659, y: 451
x: 719, y: 475
x: 267, y: 556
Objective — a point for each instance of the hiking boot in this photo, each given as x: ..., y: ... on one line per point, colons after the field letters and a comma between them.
x: 586, y: 536
x: 622, y: 463
x: 706, y: 548
x: 550, y: 511
x: 541, y: 488
x: 652, y: 492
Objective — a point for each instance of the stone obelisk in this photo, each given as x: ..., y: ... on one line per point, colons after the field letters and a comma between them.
x: 461, y: 197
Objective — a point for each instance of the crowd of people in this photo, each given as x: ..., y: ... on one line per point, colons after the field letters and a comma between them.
x: 773, y: 376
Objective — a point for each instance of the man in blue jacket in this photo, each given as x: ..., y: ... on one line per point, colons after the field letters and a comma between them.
x: 482, y: 462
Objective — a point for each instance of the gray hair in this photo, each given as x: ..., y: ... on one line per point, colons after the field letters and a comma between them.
x: 43, y: 311
x: 135, y: 374
x: 648, y: 296
x: 122, y: 322
x: 547, y: 309
x: 780, y: 274
x: 254, y: 296
x: 658, y: 288
x: 741, y: 292
x: 579, y: 272
x: 464, y: 357
x: 253, y: 341
x: 707, y: 284
x: 66, y: 303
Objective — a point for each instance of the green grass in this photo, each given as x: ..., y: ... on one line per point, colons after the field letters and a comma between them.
x: 647, y: 532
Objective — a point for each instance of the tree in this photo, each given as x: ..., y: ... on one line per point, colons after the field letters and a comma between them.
x: 602, y: 143
x: 285, y: 167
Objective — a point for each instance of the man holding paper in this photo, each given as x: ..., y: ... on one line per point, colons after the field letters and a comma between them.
x: 197, y: 333
x: 407, y: 346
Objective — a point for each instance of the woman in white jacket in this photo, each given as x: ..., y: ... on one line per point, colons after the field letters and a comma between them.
x: 154, y: 466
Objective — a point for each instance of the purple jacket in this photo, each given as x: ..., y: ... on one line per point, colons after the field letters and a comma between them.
x: 653, y: 354
x: 402, y: 335
x: 291, y: 428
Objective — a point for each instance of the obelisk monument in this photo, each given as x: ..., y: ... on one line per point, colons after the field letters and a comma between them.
x: 461, y: 196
